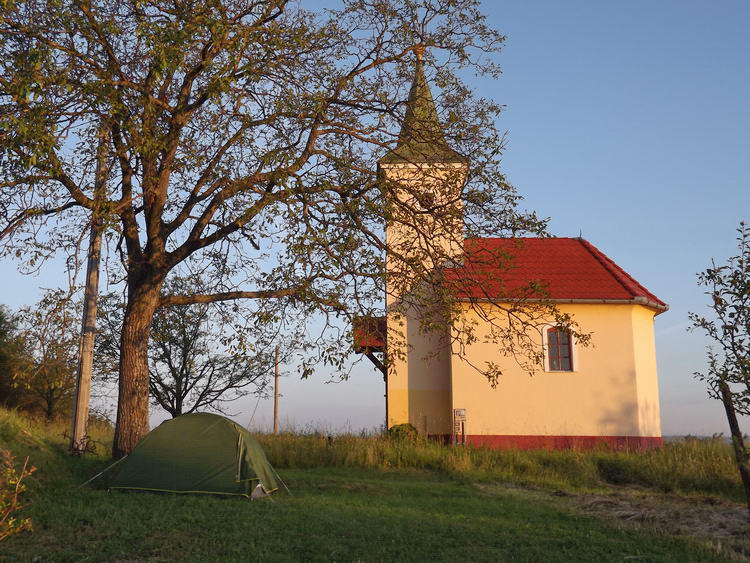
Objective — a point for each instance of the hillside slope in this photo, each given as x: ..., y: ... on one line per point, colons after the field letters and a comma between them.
x: 343, y: 511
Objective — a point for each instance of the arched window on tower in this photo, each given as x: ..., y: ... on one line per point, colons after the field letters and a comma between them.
x: 559, y: 349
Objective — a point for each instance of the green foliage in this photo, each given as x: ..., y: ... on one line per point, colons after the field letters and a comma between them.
x: 404, y: 431
x: 10, y: 395
x: 12, y: 487
x: 46, y: 353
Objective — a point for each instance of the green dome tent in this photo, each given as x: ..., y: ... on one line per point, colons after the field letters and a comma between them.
x: 197, y: 453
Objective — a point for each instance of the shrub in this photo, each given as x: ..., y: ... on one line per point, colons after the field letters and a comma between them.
x: 403, y: 432
x: 11, y: 489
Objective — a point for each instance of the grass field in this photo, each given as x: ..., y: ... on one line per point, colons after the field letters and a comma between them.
x: 360, y: 499
x: 691, y: 466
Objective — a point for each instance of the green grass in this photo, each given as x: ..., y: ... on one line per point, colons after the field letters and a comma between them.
x: 689, y: 466
x: 335, y: 514
x: 355, y: 499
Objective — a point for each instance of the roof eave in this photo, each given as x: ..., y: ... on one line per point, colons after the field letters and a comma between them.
x: 658, y: 307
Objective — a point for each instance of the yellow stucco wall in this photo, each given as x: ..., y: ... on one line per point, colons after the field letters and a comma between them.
x: 419, y: 374
x: 419, y: 383
x: 647, y: 383
x: 612, y: 392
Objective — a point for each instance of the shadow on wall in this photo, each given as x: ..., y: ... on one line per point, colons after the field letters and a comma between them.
x: 623, y: 425
x: 620, y: 419
x: 429, y: 379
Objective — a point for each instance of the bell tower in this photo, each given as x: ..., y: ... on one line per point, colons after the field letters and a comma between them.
x: 422, y: 179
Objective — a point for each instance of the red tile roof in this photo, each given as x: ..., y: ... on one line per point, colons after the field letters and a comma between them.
x: 555, y: 268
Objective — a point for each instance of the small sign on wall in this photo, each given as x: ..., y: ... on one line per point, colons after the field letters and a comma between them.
x: 459, y: 427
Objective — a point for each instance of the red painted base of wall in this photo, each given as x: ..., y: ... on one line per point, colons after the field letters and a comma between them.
x: 499, y: 442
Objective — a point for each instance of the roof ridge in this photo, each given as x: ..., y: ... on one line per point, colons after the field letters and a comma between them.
x: 621, y: 276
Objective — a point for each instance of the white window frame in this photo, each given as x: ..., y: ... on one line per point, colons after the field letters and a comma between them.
x: 573, y: 352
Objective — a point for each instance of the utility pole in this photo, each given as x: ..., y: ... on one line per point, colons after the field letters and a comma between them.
x: 80, y: 417
x: 276, y: 392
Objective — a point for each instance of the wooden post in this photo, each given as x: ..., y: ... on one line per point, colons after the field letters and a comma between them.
x: 80, y: 419
x: 86, y: 348
x: 384, y: 370
x: 276, y: 392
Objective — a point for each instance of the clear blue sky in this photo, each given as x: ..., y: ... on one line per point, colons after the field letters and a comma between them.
x: 627, y: 122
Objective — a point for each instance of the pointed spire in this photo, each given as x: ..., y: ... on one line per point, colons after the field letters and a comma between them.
x: 421, y: 138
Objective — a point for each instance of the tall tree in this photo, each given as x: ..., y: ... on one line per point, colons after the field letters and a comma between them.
x: 728, y: 374
x: 245, y: 135
x: 201, y: 356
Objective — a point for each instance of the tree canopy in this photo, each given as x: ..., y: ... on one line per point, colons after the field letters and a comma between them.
x: 241, y: 141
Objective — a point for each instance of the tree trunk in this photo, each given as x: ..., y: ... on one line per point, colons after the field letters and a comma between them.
x: 49, y: 409
x: 133, y: 400
x: 740, y: 451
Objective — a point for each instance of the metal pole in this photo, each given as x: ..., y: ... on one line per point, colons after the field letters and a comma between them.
x: 80, y: 419
x: 276, y: 392
x: 385, y: 378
